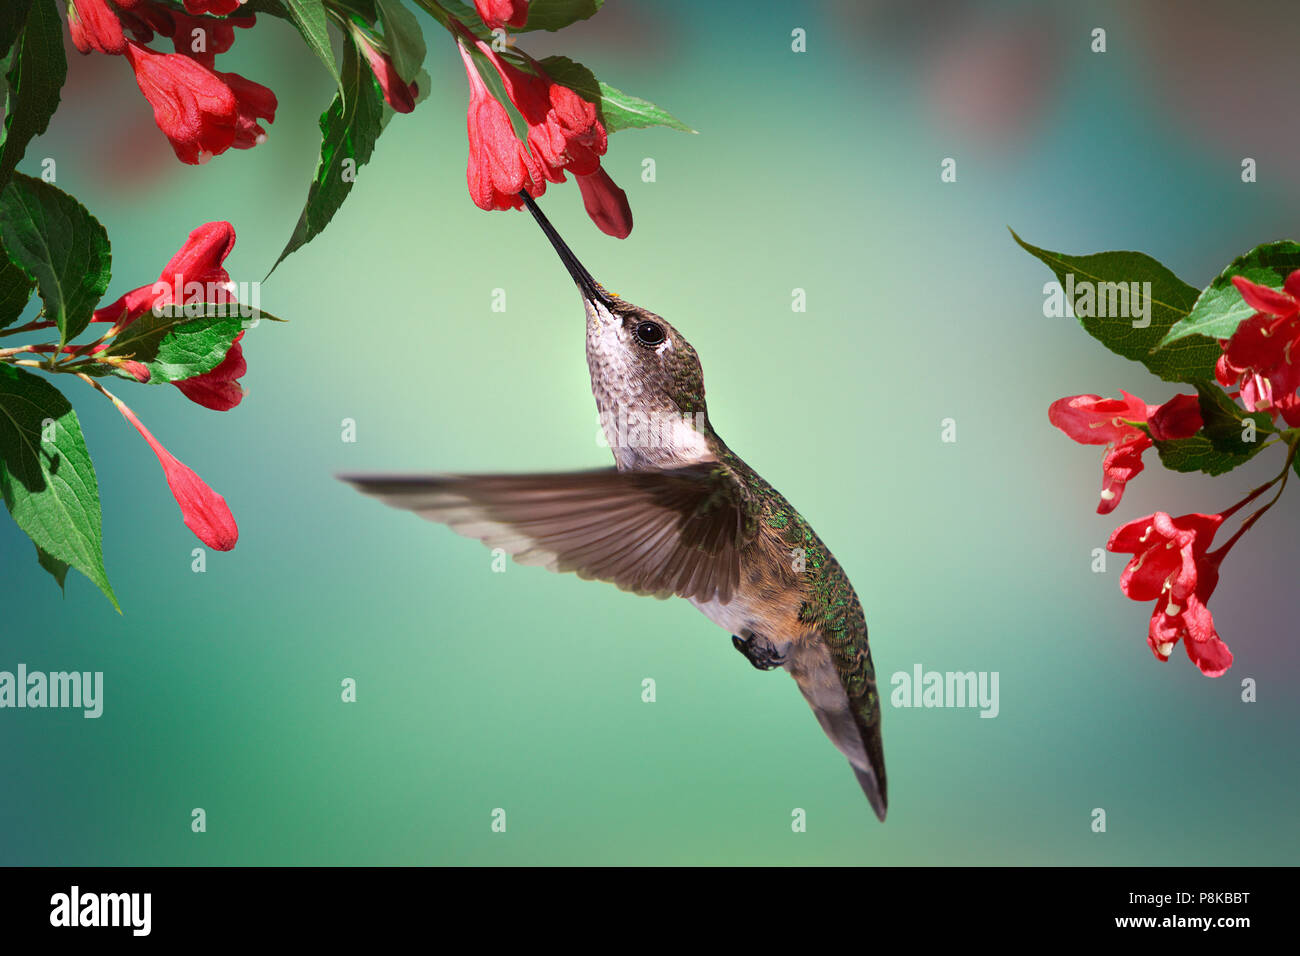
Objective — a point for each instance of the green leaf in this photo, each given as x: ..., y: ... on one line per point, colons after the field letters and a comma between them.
x: 312, y: 22
x: 46, y: 475
x: 178, y: 344
x: 1096, y: 281
x: 60, y: 245
x: 624, y: 111
x: 1223, y: 421
x: 349, y: 129
x: 404, y: 37
x: 1220, y: 308
x: 15, y: 291
x: 13, y: 14
x: 1198, y: 453
x: 1219, y: 446
x: 557, y: 14
x: 58, y: 569
x: 618, y: 110
x: 37, y: 69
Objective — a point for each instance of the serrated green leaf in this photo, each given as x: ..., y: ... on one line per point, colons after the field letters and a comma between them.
x: 46, y: 474
x: 60, y: 245
x: 176, y: 345
x: 58, y: 569
x: 403, y: 36
x: 1190, y: 360
x: 555, y: 15
x: 1220, y: 308
x: 310, y: 18
x: 349, y: 129
x: 15, y: 291
x: 37, y: 69
x: 618, y: 110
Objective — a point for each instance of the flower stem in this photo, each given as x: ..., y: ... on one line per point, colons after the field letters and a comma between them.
x: 1219, y: 553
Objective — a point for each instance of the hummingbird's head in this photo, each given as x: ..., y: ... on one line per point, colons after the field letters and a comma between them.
x: 640, y: 365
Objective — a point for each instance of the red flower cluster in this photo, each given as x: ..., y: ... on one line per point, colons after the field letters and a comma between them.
x: 202, y: 111
x: 195, y: 274
x: 564, y: 133
x: 1093, y: 420
x: 1171, y: 566
x: 1259, y: 358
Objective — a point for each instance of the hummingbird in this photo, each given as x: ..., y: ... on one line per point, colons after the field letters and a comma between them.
x: 680, y: 514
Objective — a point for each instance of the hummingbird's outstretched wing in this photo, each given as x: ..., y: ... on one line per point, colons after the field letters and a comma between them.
x: 677, y: 531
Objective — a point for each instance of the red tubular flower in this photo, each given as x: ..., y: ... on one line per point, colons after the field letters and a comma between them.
x: 1170, y: 566
x: 198, y: 261
x: 398, y: 94
x: 502, y: 13
x: 606, y: 204
x: 93, y: 25
x: 1259, y: 357
x: 255, y: 102
x: 499, y: 165
x: 195, y: 108
x: 219, y: 389
x: 205, y: 512
x: 1093, y: 420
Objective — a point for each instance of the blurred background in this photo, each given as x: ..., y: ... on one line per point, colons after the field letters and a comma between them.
x: 479, y: 690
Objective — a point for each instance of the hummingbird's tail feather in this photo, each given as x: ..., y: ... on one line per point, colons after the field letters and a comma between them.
x: 840, y: 687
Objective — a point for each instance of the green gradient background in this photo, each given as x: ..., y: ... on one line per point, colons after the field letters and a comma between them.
x: 522, y: 690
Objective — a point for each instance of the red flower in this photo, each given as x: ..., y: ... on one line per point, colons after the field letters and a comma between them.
x: 398, y: 94
x: 195, y: 108
x: 606, y: 204
x: 1170, y: 566
x: 1093, y: 420
x: 205, y: 512
x: 218, y: 8
x: 564, y: 130
x: 1258, y: 358
x: 499, y: 165
x: 93, y: 25
x: 218, y: 389
x: 499, y: 13
x: 218, y: 35
x: 198, y: 261
x: 255, y: 102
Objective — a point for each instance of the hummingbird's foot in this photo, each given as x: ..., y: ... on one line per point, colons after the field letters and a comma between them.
x: 759, y: 651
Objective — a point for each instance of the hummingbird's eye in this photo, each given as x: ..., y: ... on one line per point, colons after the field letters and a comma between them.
x: 648, y: 333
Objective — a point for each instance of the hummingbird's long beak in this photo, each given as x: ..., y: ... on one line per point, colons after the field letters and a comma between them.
x: 590, y: 289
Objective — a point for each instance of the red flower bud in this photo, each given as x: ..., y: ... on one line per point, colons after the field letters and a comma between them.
x: 606, y: 204
x: 502, y: 13
x: 93, y: 25
x: 398, y: 94
x: 1180, y: 417
x: 205, y: 512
